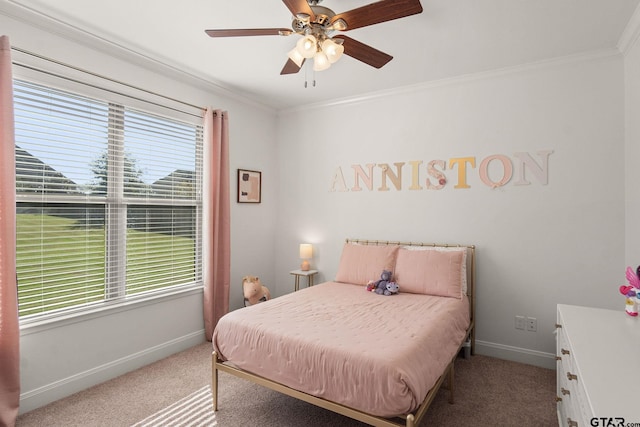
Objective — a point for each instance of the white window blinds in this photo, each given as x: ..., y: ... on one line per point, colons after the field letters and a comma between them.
x: 108, y: 201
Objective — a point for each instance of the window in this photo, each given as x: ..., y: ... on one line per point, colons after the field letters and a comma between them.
x: 108, y: 202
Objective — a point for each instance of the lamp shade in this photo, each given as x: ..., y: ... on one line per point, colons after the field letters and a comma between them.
x: 296, y: 57
x: 332, y: 49
x: 306, y: 253
x: 307, y: 46
x: 320, y: 62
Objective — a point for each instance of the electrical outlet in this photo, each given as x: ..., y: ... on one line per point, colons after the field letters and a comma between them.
x: 532, y: 324
x: 520, y: 322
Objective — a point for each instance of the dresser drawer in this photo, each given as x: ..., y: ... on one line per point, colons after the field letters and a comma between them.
x: 581, y: 403
x: 573, y: 408
x: 563, y: 350
x: 595, y: 348
x: 569, y: 413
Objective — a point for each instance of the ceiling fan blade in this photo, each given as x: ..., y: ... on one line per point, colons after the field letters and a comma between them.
x: 381, y: 11
x: 364, y: 53
x: 291, y: 67
x: 250, y: 32
x: 299, y: 6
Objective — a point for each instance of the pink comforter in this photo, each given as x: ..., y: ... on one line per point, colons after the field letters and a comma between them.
x: 379, y: 354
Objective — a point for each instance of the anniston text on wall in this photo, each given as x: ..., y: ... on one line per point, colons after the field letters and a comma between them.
x: 494, y: 171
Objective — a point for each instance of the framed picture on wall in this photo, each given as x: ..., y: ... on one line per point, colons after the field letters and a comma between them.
x: 249, y: 186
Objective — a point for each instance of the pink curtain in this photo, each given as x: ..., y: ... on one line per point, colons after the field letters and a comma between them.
x: 216, y: 227
x: 9, y: 328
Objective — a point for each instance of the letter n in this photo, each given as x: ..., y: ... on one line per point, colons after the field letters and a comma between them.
x: 540, y: 171
x: 359, y: 173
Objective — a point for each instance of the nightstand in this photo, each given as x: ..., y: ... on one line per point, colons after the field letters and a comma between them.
x: 300, y: 273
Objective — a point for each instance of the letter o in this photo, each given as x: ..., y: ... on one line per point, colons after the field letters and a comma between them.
x: 507, y: 167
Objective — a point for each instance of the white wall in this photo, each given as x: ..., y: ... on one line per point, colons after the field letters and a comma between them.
x: 632, y: 148
x: 538, y: 245
x: 62, y: 358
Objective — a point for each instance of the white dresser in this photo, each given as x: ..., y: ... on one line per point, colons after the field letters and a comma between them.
x: 598, y: 374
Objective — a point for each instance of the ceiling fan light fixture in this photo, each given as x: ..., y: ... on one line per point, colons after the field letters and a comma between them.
x: 296, y: 57
x: 332, y: 49
x: 320, y: 61
x: 315, y: 24
x: 304, y: 17
x: 307, y: 46
x: 339, y: 25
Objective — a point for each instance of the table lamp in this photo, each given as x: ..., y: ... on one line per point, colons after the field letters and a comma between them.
x: 306, y: 253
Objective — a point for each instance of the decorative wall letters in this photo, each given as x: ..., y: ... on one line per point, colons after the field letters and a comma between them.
x: 495, y: 171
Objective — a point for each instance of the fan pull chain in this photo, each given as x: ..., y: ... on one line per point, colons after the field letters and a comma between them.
x: 306, y: 76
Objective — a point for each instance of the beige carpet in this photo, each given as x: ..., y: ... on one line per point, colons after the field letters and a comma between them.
x: 175, y: 392
x: 193, y: 410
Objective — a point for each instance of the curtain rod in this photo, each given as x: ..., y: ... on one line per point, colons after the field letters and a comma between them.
x: 73, y: 67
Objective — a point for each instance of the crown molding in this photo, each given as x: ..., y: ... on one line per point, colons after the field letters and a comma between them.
x: 112, y: 48
x: 466, y: 78
x: 631, y: 33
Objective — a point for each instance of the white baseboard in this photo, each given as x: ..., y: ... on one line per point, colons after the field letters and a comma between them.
x: 46, y: 394
x: 516, y: 354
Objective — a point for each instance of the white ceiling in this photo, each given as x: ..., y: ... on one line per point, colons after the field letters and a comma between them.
x: 449, y: 38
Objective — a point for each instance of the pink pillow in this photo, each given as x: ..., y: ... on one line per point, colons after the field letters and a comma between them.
x: 430, y: 272
x: 361, y: 263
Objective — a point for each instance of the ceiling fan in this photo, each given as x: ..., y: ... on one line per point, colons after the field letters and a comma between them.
x: 317, y: 23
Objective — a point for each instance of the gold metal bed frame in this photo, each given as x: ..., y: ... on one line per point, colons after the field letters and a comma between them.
x: 410, y: 420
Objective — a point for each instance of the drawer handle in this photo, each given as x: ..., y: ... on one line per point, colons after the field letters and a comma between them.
x: 571, y: 376
x: 564, y: 351
x: 558, y: 326
x: 558, y: 399
x: 558, y: 358
x: 564, y: 391
x: 572, y: 423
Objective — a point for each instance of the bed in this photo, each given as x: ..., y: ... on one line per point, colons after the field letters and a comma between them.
x: 378, y: 359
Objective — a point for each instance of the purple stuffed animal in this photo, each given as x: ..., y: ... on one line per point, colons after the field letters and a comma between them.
x: 381, y: 285
x: 392, y: 288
